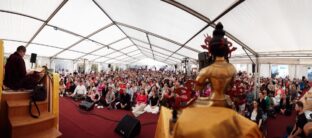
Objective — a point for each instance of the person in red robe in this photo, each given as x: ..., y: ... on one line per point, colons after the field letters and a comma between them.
x: 16, y: 77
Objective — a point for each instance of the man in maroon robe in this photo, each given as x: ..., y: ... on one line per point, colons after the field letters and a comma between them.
x: 16, y: 76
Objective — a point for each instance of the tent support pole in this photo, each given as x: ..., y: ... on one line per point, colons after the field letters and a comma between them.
x: 257, y: 79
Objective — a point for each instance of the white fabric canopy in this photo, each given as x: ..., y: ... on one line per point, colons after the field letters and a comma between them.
x: 116, y: 31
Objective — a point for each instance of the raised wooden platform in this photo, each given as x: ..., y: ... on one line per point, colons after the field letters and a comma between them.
x: 17, y: 123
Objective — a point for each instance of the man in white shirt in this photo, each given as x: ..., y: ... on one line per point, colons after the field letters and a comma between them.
x: 80, y: 91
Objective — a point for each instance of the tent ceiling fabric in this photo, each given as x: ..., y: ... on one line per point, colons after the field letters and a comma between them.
x: 54, y: 37
x: 10, y: 47
x: 69, y: 55
x: 155, y: 16
x: 37, y: 8
x: 115, y: 31
x: 42, y: 50
x: 108, y: 35
x: 80, y: 16
x: 85, y: 46
x: 17, y: 27
x: 286, y: 29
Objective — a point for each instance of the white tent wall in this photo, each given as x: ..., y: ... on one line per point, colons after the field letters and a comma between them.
x: 60, y: 64
x: 292, y: 71
x: 244, y: 67
x: 265, y: 70
x: 301, y: 70
x: 122, y: 66
x: 103, y: 66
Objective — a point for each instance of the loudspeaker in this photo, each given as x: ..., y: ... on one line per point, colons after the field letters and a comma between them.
x: 203, y: 56
x: 85, y: 105
x: 33, y: 58
x: 128, y: 127
x: 253, y: 68
x: 175, y: 66
x: 204, y: 60
x: 109, y: 65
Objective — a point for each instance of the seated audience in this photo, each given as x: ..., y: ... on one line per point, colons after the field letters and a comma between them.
x: 80, y: 91
x: 284, y: 105
x: 140, y: 89
x: 262, y: 102
x: 152, y: 106
x: 297, y: 130
x: 124, y: 101
x: 62, y: 88
x: 93, y: 96
x: 109, y: 99
x: 255, y: 114
x: 141, y: 101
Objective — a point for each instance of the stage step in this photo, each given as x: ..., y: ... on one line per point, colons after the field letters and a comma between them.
x: 16, y: 95
x: 21, y: 107
x: 26, y: 125
x: 49, y: 133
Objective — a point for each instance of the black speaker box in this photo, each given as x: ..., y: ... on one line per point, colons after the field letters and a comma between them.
x: 253, y: 68
x: 203, y: 56
x: 85, y: 105
x: 109, y: 65
x: 175, y: 66
x: 204, y: 60
x: 128, y: 127
x: 33, y: 58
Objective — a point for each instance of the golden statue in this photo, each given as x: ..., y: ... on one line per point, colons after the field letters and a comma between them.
x: 220, y: 74
x: 207, y: 116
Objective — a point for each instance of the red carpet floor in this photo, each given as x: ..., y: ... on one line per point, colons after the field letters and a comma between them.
x: 277, y: 127
x: 75, y: 123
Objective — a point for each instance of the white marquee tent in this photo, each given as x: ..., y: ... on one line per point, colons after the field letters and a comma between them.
x: 127, y: 31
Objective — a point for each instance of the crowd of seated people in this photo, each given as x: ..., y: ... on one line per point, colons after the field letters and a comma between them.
x: 136, y: 89
x: 275, y: 96
x: 143, y: 91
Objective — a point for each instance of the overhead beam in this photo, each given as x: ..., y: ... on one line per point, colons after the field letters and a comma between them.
x: 155, y: 35
x: 249, y: 56
x: 149, y: 42
x: 209, y: 23
x: 160, y: 47
x: 83, y: 38
x: 207, y: 20
x: 100, y: 7
x: 159, y: 56
x: 21, y: 14
x: 115, y: 50
x: 159, y: 53
x: 108, y: 46
x: 39, y: 44
x: 46, y: 21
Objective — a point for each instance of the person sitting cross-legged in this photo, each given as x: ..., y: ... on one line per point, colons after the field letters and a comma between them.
x: 297, y: 130
x: 124, y: 101
x: 109, y: 99
x: 141, y: 101
x: 93, y: 96
x: 152, y: 107
x: 80, y: 92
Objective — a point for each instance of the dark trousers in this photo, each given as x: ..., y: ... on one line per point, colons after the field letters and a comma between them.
x: 79, y: 97
x: 127, y: 107
x: 104, y: 103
